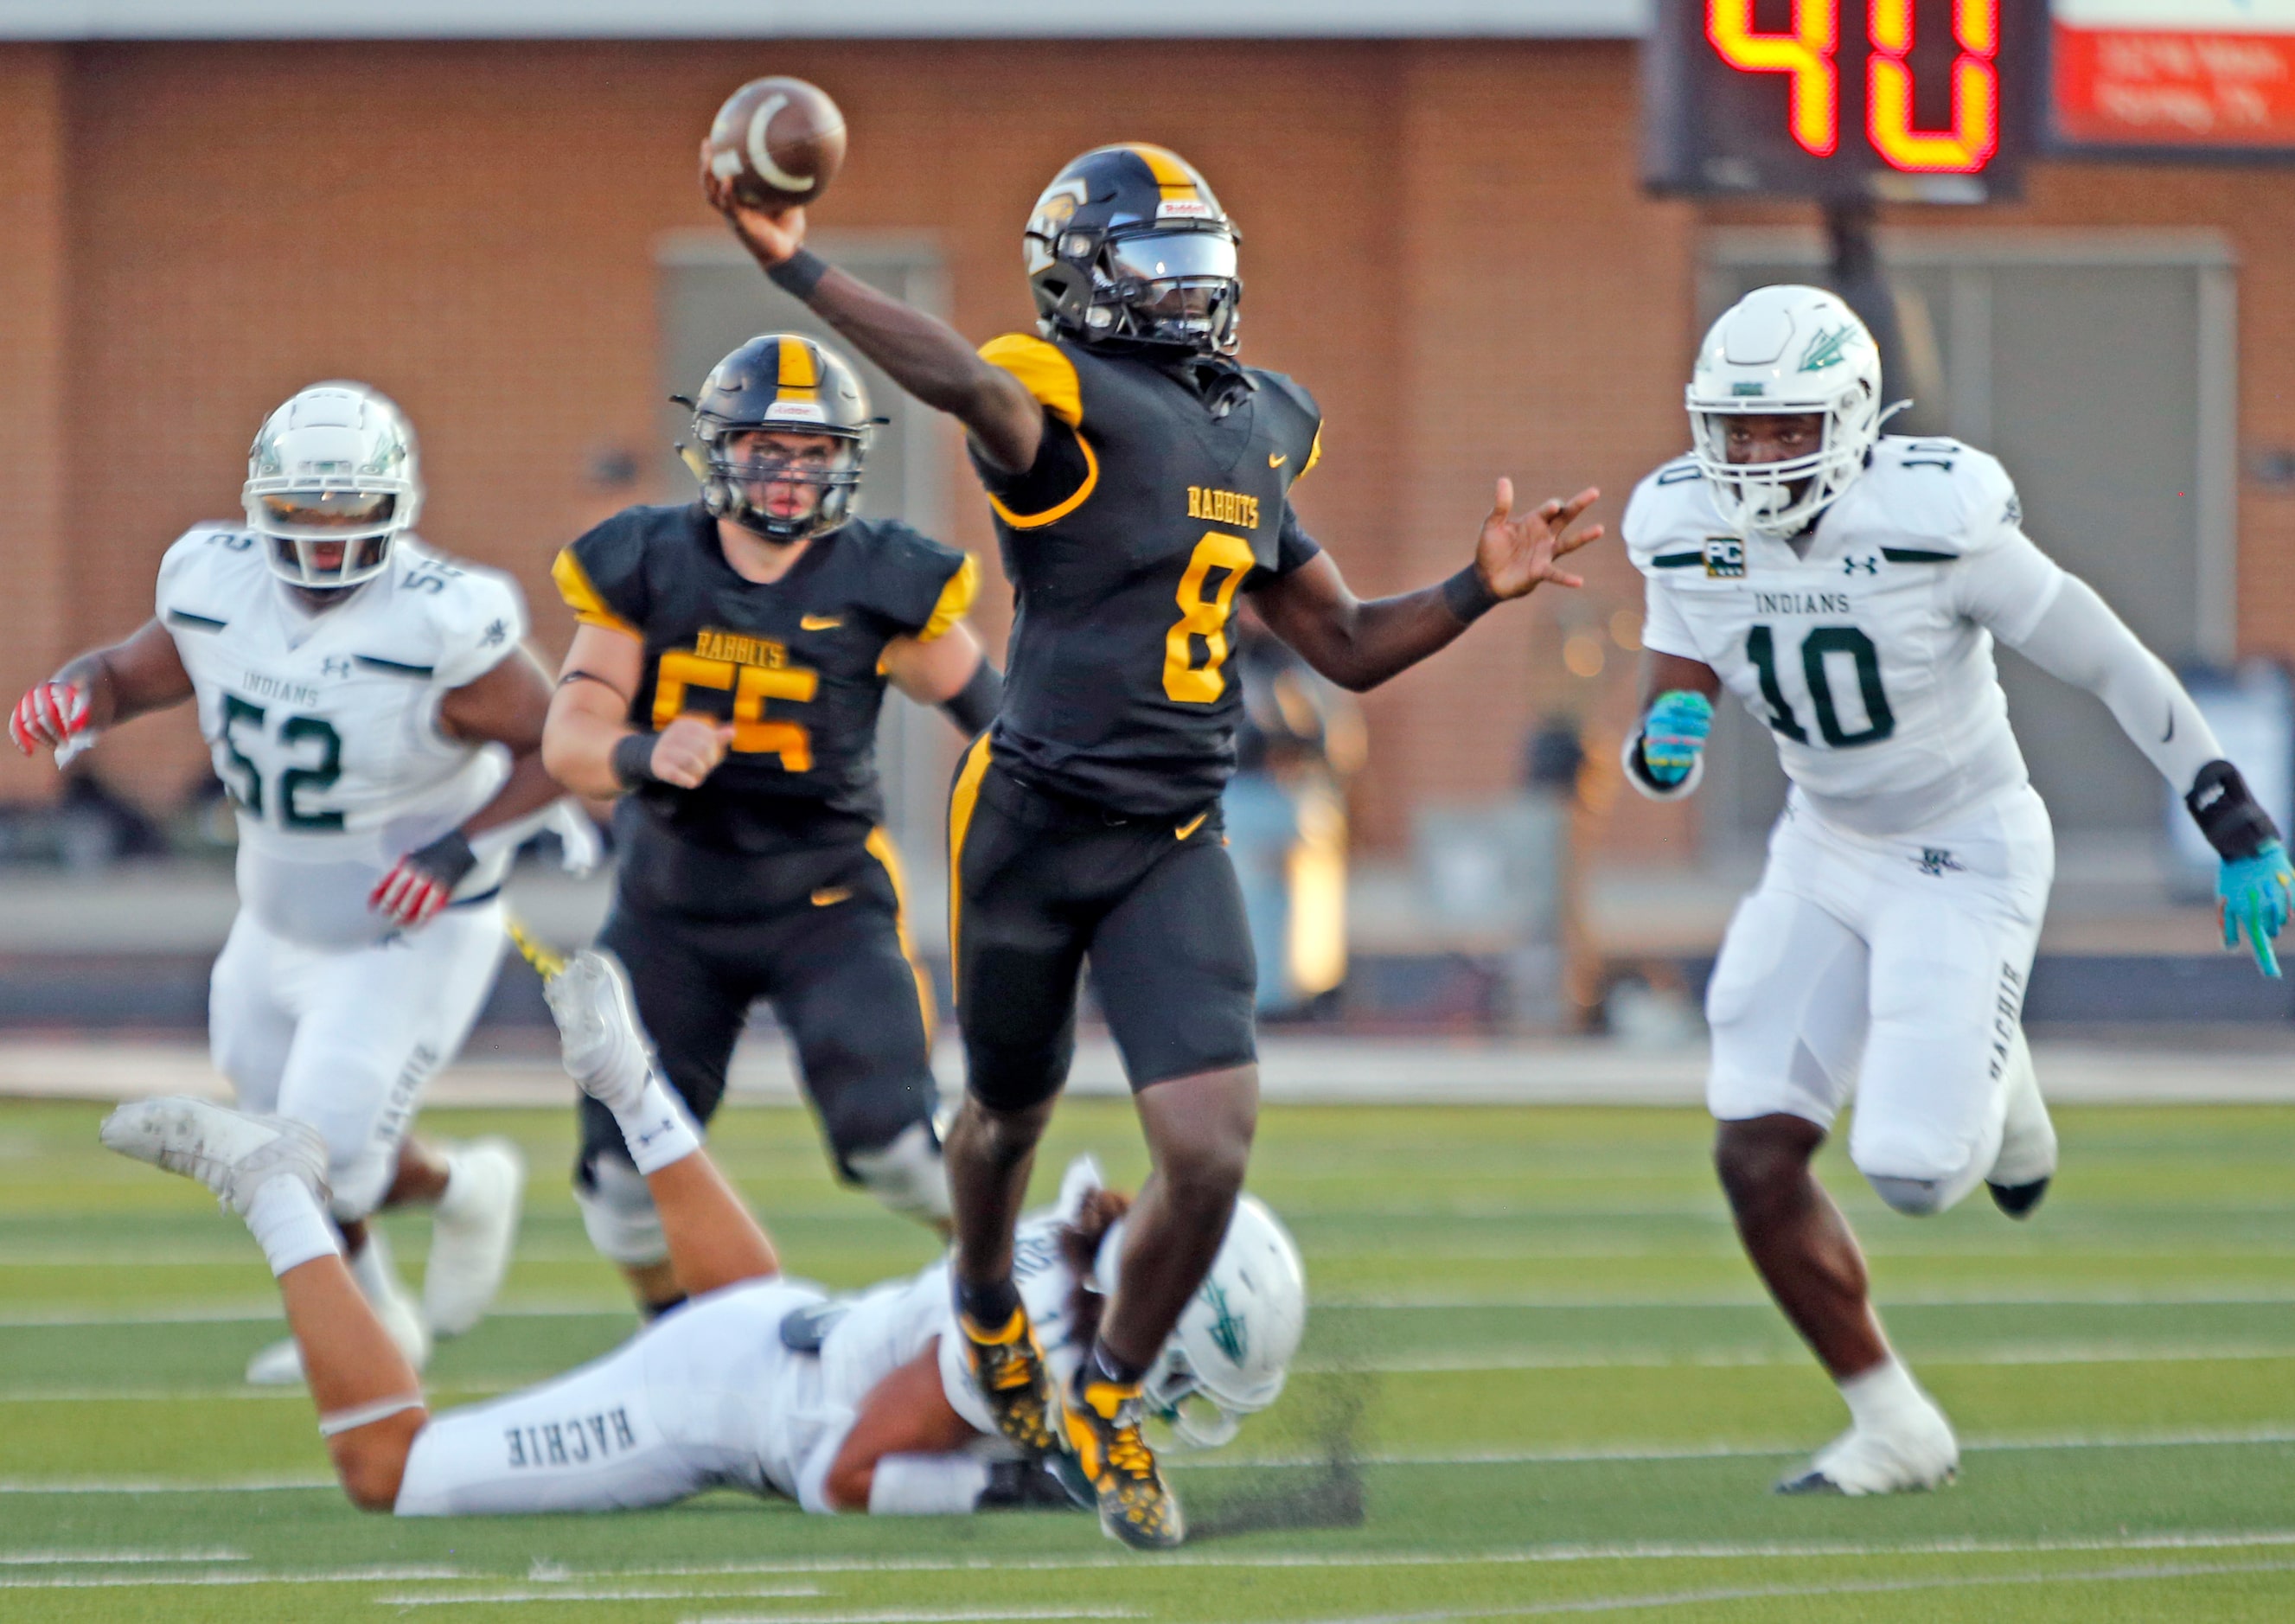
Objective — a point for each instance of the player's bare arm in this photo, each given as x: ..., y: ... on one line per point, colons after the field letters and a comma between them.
x: 102, y: 687
x: 1360, y: 645
x: 926, y: 356
x: 589, y: 720
x: 908, y: 1413
x: 503, y: 705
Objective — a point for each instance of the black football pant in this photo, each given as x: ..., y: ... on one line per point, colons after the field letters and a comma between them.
x: 1042, y: 885
x: 833, y: 962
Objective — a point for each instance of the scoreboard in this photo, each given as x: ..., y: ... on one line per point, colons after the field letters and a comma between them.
x: 1915, y: 101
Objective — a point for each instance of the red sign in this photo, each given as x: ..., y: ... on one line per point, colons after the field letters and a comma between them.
x: 2168, y: 88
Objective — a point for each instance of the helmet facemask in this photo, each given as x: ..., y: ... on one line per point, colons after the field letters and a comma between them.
x: 1780, y: 499
x: 1785, y: 351
x: 332, y: 478
x: 733, y: 477
x: 1167, y: 290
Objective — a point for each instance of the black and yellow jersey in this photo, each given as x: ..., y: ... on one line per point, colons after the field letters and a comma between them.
x: 795, y: 665
x: 1147, y: 509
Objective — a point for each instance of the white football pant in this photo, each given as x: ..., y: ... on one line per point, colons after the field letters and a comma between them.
x: 708, y: 1396
x: 345, y: 1038
x: 1896, y: 967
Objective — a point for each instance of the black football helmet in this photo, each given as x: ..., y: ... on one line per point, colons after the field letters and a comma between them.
x: 1128, y: 245
x: 785, y: 383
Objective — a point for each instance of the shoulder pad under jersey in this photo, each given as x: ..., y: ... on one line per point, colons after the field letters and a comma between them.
x: 1671, y: 517
x: 602, y: 574
x: 458, y: 622
x: 1935, y: 495
x: 206, y: 575
x: 913, y: 580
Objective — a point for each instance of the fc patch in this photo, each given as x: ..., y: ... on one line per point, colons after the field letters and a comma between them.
x: 1724, y: 557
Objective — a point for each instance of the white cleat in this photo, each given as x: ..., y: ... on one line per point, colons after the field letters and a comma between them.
x: 604, y: 1048
x: 233, y: 1153
x: 2020, y: 1174
x: 1919, y: 1452
x: 471, y: 1234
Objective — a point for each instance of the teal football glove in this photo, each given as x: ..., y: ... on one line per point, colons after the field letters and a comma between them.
x: 2251, y: 894
x: 1673, y: 733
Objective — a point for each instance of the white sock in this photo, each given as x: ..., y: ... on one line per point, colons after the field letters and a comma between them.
x: 287, y: 1225
x: 656, y: 1128
x: 927, y: 1485
x: 1877, y: 1398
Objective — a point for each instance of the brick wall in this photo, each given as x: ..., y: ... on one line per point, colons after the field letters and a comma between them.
x: 1445, y: 242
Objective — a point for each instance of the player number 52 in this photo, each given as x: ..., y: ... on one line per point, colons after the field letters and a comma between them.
x: 1204, y: 617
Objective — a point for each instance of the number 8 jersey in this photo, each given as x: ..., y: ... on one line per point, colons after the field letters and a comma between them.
x: 1864, y: 644
x: 324, y: 724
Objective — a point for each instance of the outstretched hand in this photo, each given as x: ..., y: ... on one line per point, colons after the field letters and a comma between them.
x: 1515, y: 555
x: 773, y: 235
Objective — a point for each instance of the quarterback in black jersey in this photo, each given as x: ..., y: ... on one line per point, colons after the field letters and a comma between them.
x: 726, y: 673
x: 1139, y: 477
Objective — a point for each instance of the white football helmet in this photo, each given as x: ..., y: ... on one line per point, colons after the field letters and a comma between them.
x: 333, y: 468
x: 1228, y: 1354
x: 1781, y: 351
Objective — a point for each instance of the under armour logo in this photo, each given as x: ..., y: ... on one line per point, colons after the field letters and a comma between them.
x: 495, y: 632
x: 1936, y: 862
x: 1870, y: 565
x: 333, y: 667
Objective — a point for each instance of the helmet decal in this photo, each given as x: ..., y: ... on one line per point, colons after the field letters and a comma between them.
x: 1229, y: 1333
x: 1825, y: 349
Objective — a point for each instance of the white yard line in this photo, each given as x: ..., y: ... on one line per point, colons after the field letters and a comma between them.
x: 172, y: 1581
x: 1464, y: 1362
x: 910, y: 1616
x: 1746, y: 1593
x: 58, y: 1559
x: 75, y: 1318
x: 1561, y: 1457
x: 472, y: 1598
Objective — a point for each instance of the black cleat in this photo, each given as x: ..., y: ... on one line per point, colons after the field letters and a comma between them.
x: 1008, y: 1367
x: 2019, y: 1200
x: 1135, y: 1504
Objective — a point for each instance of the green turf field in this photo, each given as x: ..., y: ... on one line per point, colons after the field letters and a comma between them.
x: 1531, y: 1330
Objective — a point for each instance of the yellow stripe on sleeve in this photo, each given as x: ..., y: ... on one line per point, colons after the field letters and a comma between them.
x: 1314, y: 455
x: 581, y: 597
x: 955, y: 599
x: 1050, y: 376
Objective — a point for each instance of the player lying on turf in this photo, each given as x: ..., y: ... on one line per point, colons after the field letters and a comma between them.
x: 379, y: 727
x: 759, y: 1383
x: 1847, y: 586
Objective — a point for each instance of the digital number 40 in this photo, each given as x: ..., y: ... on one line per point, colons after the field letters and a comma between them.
x: 1808, y: 53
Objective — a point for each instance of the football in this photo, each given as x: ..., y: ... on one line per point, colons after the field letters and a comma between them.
x: 778, y: 142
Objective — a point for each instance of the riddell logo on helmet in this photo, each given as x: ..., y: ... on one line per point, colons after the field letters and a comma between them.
x: 1184, y: 208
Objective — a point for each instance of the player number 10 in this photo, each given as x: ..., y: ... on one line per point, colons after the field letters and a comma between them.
x: 1807, y: 52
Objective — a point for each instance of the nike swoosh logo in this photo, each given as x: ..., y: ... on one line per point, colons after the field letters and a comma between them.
x: 2170, y: 733
x: 1190, y: 825
x: 1277, y: 459
x: 819, y: 622
x: 829, y: 896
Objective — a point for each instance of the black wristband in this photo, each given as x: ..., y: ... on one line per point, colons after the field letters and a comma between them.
x: 447, y: 859
x: 974, y: 706
x: 2227, y: 814
x: 634, y: 759
x: 1465, y: 596
x: 799, y: 275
